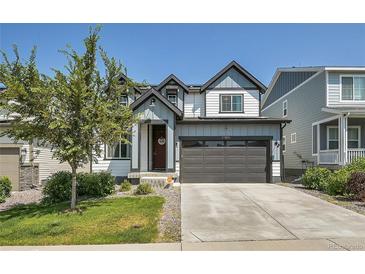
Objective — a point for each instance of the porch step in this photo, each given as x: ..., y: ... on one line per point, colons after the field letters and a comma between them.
x: 151, y: 174
x: 155, y: 182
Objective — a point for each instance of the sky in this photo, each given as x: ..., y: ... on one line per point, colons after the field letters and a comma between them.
x: 195, y: 52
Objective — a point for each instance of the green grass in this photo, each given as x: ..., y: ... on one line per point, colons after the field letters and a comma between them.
x: 104, y: 221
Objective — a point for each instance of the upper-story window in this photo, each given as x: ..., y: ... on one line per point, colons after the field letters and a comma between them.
x: 172, y: 95
x: 124, y: 100
x: 353, y: 88
x: 231, y: 103
x: 285, y: 108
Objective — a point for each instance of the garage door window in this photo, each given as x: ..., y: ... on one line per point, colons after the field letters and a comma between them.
x: 193, y: 144
x: 220, y: 143
x: 214, y: 143
x: 236, y: 143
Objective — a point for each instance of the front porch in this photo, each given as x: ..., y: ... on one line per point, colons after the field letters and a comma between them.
x: 339, y: 140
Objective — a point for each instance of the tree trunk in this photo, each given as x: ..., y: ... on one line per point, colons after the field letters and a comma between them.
x: 73, y: 189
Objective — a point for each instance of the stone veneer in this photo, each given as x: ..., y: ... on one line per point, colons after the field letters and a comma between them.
x: 25, y: 180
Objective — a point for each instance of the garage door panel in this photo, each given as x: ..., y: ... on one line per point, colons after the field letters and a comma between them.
x: 9, y: 165
x: 225, y: 164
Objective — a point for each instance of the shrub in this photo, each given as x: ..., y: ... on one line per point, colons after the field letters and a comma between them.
x: 337, y: 182
x: 144, y: 189
x: 356, y: 185
x: 5, y: 188
x: 125, y: 186
x: 316, y: 178
x: 98, y: 184
x: 58, y: 187
x: 357, y: 165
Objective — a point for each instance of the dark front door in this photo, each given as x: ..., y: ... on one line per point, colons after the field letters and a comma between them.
x: 159, y: 147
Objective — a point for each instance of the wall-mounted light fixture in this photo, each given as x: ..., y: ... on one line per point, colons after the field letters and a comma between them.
x: 23, y: 154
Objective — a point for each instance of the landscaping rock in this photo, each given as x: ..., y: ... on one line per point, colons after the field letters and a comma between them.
x: 21, y: 197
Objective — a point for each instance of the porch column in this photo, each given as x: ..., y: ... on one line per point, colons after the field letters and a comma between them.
x: 135, y: 147
x: 342, y: 138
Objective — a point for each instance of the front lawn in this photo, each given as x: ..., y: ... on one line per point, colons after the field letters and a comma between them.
x: 103, y: 221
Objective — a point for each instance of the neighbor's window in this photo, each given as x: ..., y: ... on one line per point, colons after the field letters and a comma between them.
x: 231, y: 103
x: 118, y: 151
x: 353, y: 88
x: 353, y: 137
x: 293, y: 138
x: 283, y: 143
x: 332, y: 137
x: 314, y: 139
x: 285, y: 108
x: 124, y: 100
x: 172, y: 98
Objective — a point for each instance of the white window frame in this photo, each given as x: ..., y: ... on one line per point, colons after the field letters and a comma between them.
x: 359, y: 136
x: 169, y: 96
x: 353, y: 89
x: 283, y: 145
x: 293, y: 138
x: 328, y: 138
x: 107, y: 147
x: 285, y: 108
x: 123, y: 102
x: 230, y: 111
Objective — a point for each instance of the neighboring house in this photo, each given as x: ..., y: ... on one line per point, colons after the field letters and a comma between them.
x: 327, y: 109
x: 210, y: 133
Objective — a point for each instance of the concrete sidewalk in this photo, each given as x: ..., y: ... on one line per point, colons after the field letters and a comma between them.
x: 341, y: 244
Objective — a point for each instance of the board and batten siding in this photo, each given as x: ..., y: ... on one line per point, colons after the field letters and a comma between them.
x: 304, y: 108
x: 194, y: 105
x: 334, y: 90
x: 202, y: 130
x: 251, y: 103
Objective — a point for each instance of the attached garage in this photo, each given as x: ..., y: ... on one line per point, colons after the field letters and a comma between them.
x: 228, y: 160
x: 9, y: 165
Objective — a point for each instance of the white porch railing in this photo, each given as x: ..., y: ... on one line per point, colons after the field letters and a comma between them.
x: 329, y: 157
x: 353, y: 153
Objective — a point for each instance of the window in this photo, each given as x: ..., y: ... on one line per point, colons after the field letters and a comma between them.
x: 314, y: 139
x: 118, y: 151
x: 231, y: 103
x: 293, y: 138
x: 124, y: 100
x: 353, y: 88
x: 353, y: 137
x: 172, y: 98
x: 332, y: 137
x: 283, y: 145
x: 285, y: 108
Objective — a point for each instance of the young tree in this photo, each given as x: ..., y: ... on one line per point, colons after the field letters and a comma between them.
x: 76, y: 111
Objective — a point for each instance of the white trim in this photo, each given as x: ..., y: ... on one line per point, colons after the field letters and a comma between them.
x: 284, y: 144
x: 326, y: 73
x: 345, y: 68
x: 328, y: 137
x: 353, y: 101
x: 293, y: 136
x: 285, y: 114
x: 291, y: 91
x: 359, y: 136
x: 326, y: 120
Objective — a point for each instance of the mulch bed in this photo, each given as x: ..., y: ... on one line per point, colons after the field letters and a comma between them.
x: 346, y: 202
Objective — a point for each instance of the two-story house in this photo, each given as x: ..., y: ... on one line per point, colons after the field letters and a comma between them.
x: 327, y: 109
x: 209, y: 133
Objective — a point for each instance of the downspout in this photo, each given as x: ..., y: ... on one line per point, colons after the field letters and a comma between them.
x: 282, y: 165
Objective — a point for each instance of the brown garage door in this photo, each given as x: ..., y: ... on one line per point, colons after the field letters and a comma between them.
x: 224, y: 162
x: 9, y: 165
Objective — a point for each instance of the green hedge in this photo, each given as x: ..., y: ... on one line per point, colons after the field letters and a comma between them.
x: 58, y: 186
x: 335, y: 183
x: 5, y: 188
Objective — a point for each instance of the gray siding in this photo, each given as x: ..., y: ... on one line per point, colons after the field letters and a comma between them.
x: 232, y: 79
x: 180, y: 96
x: 304, y: 108
x: 285, y: 83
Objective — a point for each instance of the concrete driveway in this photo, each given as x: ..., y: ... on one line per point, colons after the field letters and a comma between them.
x: 244, y: 212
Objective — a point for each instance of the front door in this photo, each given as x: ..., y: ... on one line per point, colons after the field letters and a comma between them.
x: 158, y: 147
